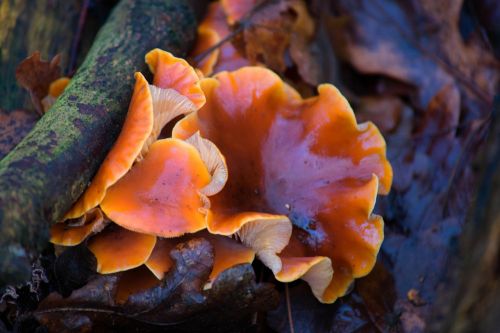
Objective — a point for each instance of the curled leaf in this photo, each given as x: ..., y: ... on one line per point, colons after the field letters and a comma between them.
x: 179, y: 303
x: 36, y: 75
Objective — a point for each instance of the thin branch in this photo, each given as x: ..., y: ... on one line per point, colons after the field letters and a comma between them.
x: 107, y: 311
x: 78, y: 34
x: 289, y: 309
x: 240, y: 26
x: 197, y: 59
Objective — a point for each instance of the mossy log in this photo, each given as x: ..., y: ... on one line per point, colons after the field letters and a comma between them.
x: 27, y: 26
x: 51, y: 167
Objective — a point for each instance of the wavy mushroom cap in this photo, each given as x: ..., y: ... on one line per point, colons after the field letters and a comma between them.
x: 135, y: 131
x: 306, y: 159
x: 175, y: 73
x: 117, y: 249
x: 176, y: 92
x: 161, y: 195
x: 71, y: 234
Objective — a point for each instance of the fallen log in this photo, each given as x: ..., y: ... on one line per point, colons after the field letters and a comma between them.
x: 51, y: 167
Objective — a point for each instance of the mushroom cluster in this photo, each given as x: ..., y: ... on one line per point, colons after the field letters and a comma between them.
x: 252, y: 167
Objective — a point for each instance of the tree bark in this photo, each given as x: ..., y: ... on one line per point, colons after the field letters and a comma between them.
x: 26, y: 26
x: 51, y: 167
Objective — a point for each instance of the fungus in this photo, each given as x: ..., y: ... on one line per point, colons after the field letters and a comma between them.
x: 236, y: 10
x: 176, y: 91
x: 71, y: 233
x: 134, y: 281
x: 175, y: 73
x: 164, y: 194
x: 117, y: 249
x: 211, y: 31
x: 228, y: 252
x: 306, y: 160
x: 207, y: 37
x: 56, y: 88
x: 160, y: 261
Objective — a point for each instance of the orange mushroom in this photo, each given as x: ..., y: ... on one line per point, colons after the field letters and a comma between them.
x: 134, y: 281
x: 165, y: 194
x: 56, y: 88
x: 160, y: 261
x: 302, y: 159
x: 71, y: 234
x: 236, y: 10
x: 176, y: 91
x: 228, y: 252
x: 117, y: 249
x: 207, y: 38
x: 211, y: 31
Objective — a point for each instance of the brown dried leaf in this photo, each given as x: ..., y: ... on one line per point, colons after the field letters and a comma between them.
x: 280, y: 34
x: 177, y: 304
x: 385, y: 112
x: 36, y: 75
x: 417, y: 42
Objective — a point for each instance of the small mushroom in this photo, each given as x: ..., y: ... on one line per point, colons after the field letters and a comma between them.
x: 228, y: 252
x: 175, y: 73
x: 207, y: 38
x: 134, y: 281
x: 303, y: 160
x: 151, y: 108
x: 211, y: 31
x: 56, y: 88
x: 160, y: 261
x: 68, y: 234
x: 117, y: 249
x: 236, y: 10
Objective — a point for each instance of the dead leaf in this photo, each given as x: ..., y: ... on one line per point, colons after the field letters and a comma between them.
x: 418, y: 43
x: 36, y: 75
x: 179, y: 303
x: 278, y: 34
x: 385, y: 112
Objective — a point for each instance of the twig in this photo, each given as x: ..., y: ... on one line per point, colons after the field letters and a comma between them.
x: 78, y: 34
x: 107, y: 311
x: 197, y: 59
x: 240, y: 26
x: 289, y: 309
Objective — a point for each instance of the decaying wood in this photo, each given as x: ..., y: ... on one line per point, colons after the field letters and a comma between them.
x: 50, y: 168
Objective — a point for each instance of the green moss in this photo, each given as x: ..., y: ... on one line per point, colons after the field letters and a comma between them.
x: 50, y: 168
